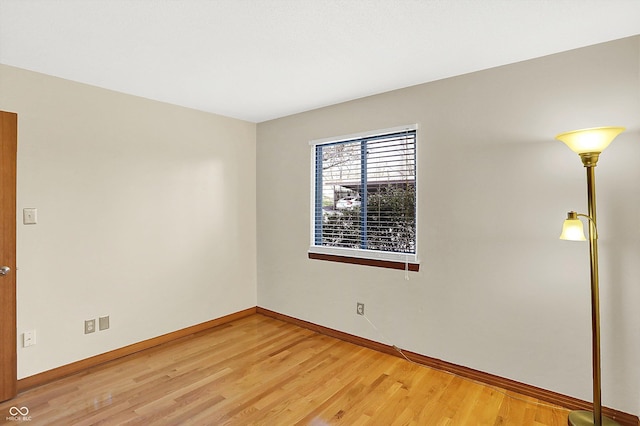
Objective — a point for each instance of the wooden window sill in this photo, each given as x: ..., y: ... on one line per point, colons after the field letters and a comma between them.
x: 414, y: 267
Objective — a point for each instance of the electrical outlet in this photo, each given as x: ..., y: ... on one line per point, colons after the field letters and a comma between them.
x: 360, y: 308
x: 89, y: 326
x: 103, y: 323
x: 29, y: 216
x: 28, y: 338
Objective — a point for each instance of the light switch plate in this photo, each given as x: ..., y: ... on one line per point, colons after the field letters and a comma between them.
x: 29, y: 216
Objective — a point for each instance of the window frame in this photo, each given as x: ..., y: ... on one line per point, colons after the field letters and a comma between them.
x: 394, y: 260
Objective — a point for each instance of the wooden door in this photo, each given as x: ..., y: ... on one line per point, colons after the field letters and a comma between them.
x: 8, y: 341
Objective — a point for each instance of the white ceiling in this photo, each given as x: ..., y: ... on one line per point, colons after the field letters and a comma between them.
x: 261, y: 59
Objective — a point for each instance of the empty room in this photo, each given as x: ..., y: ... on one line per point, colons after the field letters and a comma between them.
x: 319, y: 212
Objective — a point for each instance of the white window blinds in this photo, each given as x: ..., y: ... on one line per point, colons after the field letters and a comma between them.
x: 364, y: 201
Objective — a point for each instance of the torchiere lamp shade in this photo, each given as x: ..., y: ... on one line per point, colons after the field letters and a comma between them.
x: 595, y: 139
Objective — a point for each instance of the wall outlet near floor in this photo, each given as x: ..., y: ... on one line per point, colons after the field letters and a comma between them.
x: 103, y: 323
x: 29, y: 216
x: 360, y: 308
x: 28, y: 338
x: 89, y: 326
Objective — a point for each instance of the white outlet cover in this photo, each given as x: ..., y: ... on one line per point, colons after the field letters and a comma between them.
x: 103, y: 323
x: 30, y: 216
x: 28, y: 338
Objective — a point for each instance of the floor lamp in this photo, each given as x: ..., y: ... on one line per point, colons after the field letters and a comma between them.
x: 588, y: 144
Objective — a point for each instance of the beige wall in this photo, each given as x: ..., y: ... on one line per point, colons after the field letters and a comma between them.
x: 497, y: 291
x: 146, y: 213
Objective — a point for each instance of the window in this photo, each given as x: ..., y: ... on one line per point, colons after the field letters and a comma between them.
x: 364, y: 198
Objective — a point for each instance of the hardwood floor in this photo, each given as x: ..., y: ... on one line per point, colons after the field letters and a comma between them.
x: 262, y: 371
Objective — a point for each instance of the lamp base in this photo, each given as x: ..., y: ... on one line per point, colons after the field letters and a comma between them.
x: 585, y: 418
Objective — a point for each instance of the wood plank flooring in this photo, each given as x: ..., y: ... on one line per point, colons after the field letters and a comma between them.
x: 262, y: 371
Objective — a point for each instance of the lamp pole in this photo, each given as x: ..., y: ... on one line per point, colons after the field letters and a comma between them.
x: 585, y: 418
x: 590, y: 160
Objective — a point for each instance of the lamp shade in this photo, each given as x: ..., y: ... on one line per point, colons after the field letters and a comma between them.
x: 572, y: 228
x: 595, y: 139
